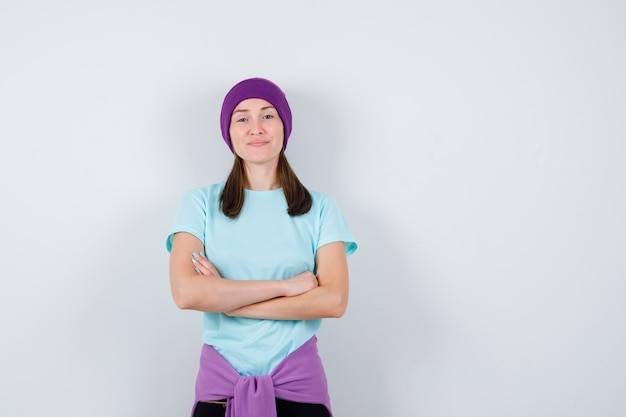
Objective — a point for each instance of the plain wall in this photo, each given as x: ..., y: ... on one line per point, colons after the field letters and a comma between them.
x: 477, y: 150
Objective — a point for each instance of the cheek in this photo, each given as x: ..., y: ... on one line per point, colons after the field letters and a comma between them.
x: 235, y: 133
x: 279, y: 132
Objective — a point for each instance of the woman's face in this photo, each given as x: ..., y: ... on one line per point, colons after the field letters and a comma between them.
x: 256, y: 131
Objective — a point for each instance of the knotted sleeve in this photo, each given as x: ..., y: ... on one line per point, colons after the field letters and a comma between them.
x: 299, y: 377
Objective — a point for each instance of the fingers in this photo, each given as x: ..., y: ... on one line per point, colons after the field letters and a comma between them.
x: 311, y: 278
x: 194, y: 259
x: 202, y: 264
x: 301, y: 283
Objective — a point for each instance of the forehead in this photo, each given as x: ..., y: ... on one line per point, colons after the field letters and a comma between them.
x: 251, y: 104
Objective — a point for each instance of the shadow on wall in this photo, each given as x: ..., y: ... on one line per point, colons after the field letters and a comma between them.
x: 313, y: 142
x: 374, y: 353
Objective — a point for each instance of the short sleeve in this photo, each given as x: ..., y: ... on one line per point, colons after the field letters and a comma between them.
x: 190, y: 217
x: 334, y: 227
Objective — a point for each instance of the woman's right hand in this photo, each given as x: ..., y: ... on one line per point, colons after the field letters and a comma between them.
x: 203, y: 265
x: 300, y: 284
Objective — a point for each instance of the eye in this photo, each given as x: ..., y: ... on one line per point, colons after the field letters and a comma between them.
x: 268, y: 116
x: 241, y: 120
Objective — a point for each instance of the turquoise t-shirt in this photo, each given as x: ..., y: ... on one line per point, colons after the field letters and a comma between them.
x: 264, y: 242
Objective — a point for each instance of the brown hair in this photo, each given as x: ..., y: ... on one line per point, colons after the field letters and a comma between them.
x: 299, y: 200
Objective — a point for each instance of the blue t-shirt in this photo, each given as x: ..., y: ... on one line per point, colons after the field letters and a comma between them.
x: 264, y: 242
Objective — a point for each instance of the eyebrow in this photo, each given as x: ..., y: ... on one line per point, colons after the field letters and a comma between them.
x: 246, y: 110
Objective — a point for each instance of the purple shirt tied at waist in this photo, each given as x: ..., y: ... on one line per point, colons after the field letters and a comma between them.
x: 299, y: 377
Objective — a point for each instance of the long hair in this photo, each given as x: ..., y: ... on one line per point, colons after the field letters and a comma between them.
x: 299, y: 200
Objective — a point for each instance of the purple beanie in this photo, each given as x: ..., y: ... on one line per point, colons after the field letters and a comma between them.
x: 255, y: 88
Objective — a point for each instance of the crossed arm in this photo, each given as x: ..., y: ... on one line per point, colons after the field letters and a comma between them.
x: 302, y: 297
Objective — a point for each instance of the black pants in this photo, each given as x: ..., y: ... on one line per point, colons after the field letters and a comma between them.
x: 284, y: 408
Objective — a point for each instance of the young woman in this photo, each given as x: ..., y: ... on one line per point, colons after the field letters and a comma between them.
x: 265, y: 260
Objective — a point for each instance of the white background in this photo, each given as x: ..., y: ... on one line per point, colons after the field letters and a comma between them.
x: 477, y: 150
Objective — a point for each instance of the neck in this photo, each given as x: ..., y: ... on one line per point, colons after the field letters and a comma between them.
x: 261, y: 177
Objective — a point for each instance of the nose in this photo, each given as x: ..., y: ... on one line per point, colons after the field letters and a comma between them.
x: 255, y: 127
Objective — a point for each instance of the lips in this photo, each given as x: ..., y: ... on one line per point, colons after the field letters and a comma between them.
x: 258, y: 143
